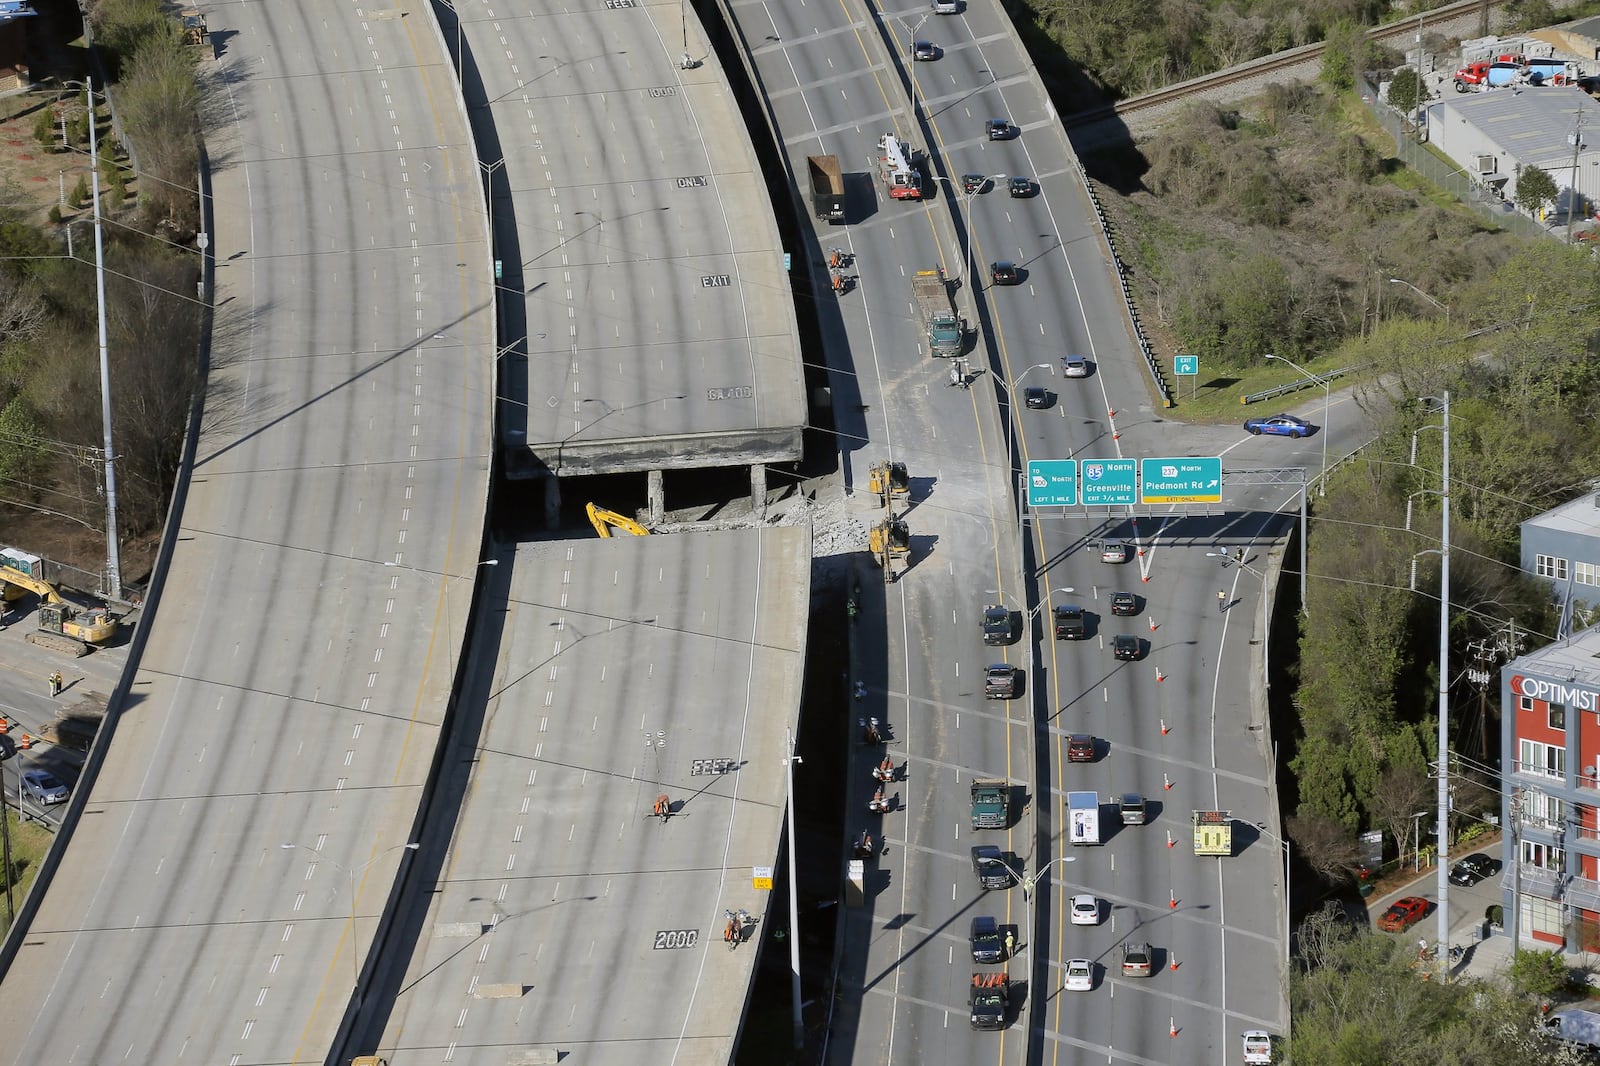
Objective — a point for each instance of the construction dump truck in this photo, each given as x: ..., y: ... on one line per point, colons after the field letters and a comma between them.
x: 938, y: 310
x: 827, y: 187
x: 991, y: 804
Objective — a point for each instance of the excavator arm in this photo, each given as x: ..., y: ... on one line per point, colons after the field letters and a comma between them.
x: 603, y: 521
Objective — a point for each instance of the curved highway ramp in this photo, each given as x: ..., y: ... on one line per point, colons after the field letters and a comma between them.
x: 571, y: 919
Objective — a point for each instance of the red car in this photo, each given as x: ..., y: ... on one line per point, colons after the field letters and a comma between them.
x: 1080, y: 748
x: 1403, y: 914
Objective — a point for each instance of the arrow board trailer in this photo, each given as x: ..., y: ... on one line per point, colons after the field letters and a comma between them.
x: 1213, y: 833
x: 1083, y: 817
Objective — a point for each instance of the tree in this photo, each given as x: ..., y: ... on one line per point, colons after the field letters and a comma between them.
x: 1325, y: 845
x: 1342, y: 55
x: 1540, y: 974
x: 1535, y: 188
x: 1402, y: 792
x: 1406, y: 90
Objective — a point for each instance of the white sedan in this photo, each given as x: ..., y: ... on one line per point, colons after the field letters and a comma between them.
x: 1080, y: 975
x: 1085, y: 910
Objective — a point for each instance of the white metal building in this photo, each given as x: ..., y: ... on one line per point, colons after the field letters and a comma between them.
x: 1493, y: 135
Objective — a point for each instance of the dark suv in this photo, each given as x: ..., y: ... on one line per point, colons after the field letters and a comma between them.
x: 1004, y: 272
x: 1126, y: 647
x: 998, y: 626
x: 1124, y: 603
x: 1000, y: 130
x: 985, y: 939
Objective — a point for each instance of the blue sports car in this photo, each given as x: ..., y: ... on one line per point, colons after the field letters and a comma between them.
x: 1279, y: 426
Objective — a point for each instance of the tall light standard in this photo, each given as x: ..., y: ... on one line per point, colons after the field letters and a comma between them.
x: 1011, y: 408
x: 443, y: 580
x: 1442, y: 404
x: 1425, y: 296
x: 966, y: 213
x: 789, y: 759
x: 1266, y: 621
x: 1261, y: 828
x: 113, y: 550
x: 1327, y: 402
x: 911, y: 57
x: 355, y: 947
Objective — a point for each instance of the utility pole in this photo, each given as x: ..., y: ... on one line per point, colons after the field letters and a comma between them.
x: 1572, y: 190
x: 790, y: 758
x: 113, y: 551
x: 1443, y: 930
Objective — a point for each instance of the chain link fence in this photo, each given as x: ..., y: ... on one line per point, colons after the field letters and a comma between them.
x: 1444, y: 173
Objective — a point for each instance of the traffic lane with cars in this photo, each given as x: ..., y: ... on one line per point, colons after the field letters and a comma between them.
x: 932, y: 702
x: 628, y: 669
x: 333, y: 439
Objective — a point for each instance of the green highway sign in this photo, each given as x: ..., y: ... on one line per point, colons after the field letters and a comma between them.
x: 1052, y: 482
x: 1186, y: 365
x: 1180, y: 480
x: 1108, y: 482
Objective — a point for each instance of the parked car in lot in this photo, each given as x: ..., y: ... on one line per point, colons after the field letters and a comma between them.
x: 41, y: 786
x: 1021, y: 187
x: 1127, y: 647
x: 1403, y: 914
x: 1124, y: 603
x: 1004, y: 272
x: 1474, y: 868
x: 1278, y: 426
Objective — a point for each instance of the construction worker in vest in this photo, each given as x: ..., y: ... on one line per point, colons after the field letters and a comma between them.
x: 55, y: 683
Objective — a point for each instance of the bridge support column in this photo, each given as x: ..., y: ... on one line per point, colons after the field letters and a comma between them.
x: 758, y: 491
x: 656, y: 497
x: 552, y: 502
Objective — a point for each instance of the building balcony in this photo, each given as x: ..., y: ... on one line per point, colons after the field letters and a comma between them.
x: 1538, y: 772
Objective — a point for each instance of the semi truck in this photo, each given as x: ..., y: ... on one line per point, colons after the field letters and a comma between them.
x: 1083, y: 817
x: 1213, y: 832
x: 938, y: 310
x: 827, y: 187
x: 990, y: 1000
x: 991, y: 804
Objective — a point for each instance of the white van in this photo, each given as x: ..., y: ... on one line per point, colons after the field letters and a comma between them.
x: 947, y: 7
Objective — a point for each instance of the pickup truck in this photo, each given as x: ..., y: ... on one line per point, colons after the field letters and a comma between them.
x: 990, y: 866
x: 990, y: 1000
x: 1070, y: 623
x: 999, y: 681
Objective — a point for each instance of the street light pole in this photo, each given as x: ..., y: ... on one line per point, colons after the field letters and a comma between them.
x: 1425, y: 296
x: 1327, y: 402
x: 790, y: 758
x: 355, y: 946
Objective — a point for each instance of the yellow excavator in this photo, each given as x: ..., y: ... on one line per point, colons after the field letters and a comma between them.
x: 887, y: 479
x: 603, y: 521
x: 62, y: 626
x: 890, y: 541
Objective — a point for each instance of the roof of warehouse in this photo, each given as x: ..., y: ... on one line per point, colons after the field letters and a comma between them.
x: 1532, y: 123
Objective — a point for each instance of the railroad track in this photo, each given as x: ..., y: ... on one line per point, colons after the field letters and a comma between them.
x: 1278, y: 61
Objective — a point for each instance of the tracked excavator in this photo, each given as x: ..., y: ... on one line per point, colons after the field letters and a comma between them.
x: 63, y: 626
x: 604, y: 521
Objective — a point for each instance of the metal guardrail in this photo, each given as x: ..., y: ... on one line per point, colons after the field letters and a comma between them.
x: 1302, y: 383
x: 1145, y: 347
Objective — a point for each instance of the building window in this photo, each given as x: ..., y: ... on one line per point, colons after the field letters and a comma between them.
x: 1558, y: 716
x: 1543, y: 856
x: 1547, y: 759
x: 1586, y: 573
x: 1541, y: 810
x: 1541, y: 915
x: 1524, y: 703
x: 1550, y: 566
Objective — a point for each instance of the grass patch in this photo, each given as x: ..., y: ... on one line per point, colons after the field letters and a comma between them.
x: 1216, y: 394
x: 29, y: 842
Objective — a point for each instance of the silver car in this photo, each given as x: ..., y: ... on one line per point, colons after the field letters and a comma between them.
x: 41, y: 786
x: 1074, y: 366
